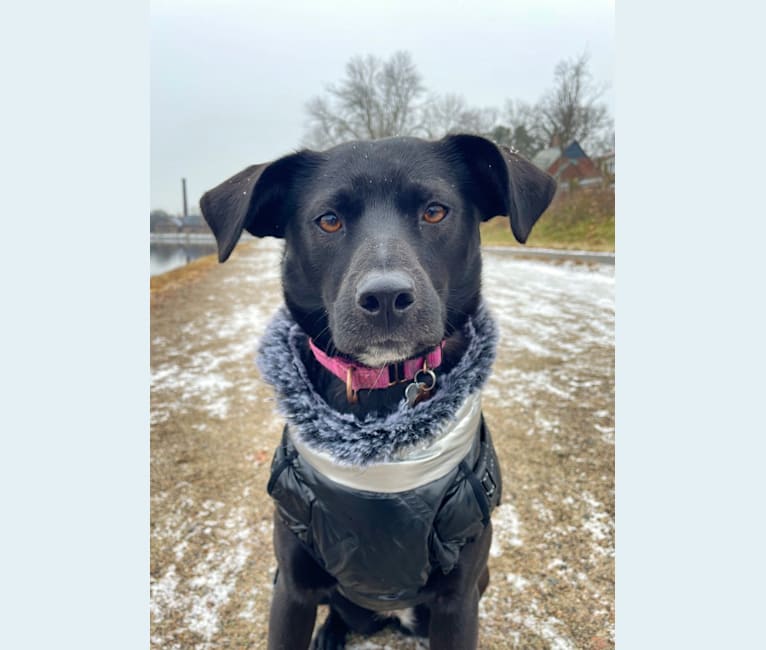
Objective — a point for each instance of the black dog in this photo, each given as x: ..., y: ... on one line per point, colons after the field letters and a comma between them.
x: 382, y: 264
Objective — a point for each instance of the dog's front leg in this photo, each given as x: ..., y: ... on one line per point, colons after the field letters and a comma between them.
x: 455, y: 623
x: 292, y: 618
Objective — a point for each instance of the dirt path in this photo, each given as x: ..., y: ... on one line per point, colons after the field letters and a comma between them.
x: 549, y: 405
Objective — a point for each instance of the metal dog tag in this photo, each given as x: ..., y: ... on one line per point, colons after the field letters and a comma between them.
x: 419, y: 390
x: 414, y: 392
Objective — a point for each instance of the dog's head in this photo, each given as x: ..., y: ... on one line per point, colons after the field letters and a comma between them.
x: 382, y: 237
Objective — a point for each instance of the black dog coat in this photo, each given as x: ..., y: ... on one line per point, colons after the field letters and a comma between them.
x: 381, y: 545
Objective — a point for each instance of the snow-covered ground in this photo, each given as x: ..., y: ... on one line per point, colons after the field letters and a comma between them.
x: 549, y: 406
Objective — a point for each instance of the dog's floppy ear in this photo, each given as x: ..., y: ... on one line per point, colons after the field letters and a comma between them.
x: 505, y: 183
x: 257, y: 200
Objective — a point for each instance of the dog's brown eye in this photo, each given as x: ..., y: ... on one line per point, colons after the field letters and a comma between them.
x: 330, y: 222
x: 434, y: 213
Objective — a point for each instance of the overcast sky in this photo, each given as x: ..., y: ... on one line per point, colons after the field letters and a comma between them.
x: 230, y: 78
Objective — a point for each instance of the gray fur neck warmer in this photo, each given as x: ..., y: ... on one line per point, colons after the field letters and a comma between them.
x: 374, y: 439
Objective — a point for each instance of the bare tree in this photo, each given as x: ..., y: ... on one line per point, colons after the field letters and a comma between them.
x: 380, y: 98
x: 450, y: 113
x: 572, y: 109
x: 376, y: 99
x: 519, y: 130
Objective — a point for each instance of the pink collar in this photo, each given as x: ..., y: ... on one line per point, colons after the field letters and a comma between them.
x: 358, y: 377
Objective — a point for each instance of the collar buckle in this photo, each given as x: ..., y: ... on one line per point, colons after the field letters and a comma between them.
x: 351, y: 394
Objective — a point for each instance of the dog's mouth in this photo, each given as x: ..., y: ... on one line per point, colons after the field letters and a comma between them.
x: 387, y: 351
x: 376, y: 347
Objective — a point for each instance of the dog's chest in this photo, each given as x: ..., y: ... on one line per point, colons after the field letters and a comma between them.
x: 382, y: 544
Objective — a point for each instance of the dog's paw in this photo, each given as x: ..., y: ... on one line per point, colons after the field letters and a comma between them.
x: 332, y: 634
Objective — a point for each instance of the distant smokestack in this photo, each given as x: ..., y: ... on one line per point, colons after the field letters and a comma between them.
x: 183, y: 189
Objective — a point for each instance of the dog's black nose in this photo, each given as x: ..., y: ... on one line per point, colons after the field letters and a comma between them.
x: 385, y: 294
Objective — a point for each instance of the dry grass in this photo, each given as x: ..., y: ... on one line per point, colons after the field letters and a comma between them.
x: 580, y: 220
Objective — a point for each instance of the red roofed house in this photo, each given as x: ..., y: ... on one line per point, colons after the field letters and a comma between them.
x: 569, y: 167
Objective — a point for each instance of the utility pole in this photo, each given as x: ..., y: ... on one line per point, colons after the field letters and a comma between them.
x: 183, y: 189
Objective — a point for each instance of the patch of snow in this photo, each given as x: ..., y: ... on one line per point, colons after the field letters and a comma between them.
x: 248, y: 613
x: 544, y: 424
x: 607, y: 433
x: 516, y: 581
x: 506, y: 529
x: 546, y: 628
x: 599, y: 524
x: 214, y: 579
x: 543, y: 513
x: 180, y: 549
x: 200, y: 597
x: 162, y: 593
